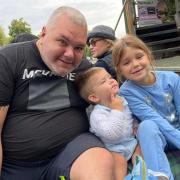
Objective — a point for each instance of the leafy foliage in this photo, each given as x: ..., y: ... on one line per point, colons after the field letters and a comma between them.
x: 87, y: 52
x: 2, y: 37
x: 19, y: 26
x: 171, y: 10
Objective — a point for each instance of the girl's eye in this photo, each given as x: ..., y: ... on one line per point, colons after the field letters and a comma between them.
x: 139, y: 56
x: 126, y: 62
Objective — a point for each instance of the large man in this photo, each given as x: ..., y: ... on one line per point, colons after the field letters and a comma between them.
x: 43, y: 124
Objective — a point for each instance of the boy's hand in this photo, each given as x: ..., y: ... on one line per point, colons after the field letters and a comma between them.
x: 116, y: 103
x: 135, y: 126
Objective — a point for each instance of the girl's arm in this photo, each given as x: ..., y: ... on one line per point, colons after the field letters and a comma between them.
x: 176, y: 93
x: 145, y: 112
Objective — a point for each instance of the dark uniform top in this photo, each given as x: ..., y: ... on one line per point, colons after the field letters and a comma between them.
x: 46, y: 111
x: 105, y: 61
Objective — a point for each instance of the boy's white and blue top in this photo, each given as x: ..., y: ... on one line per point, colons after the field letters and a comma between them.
x: 159, y: 102
x: 114, y: 128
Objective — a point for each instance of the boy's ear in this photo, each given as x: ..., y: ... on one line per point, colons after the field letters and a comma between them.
x: 93, y: 98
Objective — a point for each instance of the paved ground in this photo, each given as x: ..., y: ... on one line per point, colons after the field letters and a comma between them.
x: 172, y: 63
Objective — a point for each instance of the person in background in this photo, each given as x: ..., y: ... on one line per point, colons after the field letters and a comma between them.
x: 111, y: 119
x: 43, y: 121
x: 24, y: 37
x: 162, y: 10
x: 101, y: 40
x: 153, y: 97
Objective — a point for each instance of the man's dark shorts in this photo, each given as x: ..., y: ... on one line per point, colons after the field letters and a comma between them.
x: 54, y: 168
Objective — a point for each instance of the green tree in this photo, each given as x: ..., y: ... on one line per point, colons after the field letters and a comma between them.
x: 8, y: 39
x: 171, y: 10
x: 87, y: 52
x: 2, y: 37
x: 18, y: 26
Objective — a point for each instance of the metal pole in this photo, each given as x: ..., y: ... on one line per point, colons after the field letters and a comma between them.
x: 177, y: 15
x: 120, y: 15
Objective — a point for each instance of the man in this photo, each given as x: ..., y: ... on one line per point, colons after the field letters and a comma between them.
x: 43, y: 122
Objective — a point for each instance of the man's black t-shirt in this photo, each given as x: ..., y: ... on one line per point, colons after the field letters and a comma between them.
x: 46, y: 111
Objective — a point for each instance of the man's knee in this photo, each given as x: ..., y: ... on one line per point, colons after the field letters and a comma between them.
x: 94, y: 162
x: 97, y: 156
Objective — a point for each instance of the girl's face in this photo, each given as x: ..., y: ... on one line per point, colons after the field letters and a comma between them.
x: 135, y: 65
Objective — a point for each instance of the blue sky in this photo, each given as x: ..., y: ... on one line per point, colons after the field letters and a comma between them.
x: 36, y: 12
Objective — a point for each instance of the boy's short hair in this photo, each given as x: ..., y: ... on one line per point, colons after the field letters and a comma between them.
x: 82, y: 81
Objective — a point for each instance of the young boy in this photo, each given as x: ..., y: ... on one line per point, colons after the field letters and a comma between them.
x: 111, y: 119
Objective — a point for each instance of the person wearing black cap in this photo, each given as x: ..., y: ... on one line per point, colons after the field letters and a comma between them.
x: 24, y: 37
x: 101, y: 40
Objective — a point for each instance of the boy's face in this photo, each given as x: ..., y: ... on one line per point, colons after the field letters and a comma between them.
x: 103, y: 87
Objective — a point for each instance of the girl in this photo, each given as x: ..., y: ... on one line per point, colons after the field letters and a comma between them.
x: 154, y: 97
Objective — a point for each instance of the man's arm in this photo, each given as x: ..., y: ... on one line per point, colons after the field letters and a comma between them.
x: 3, y: 113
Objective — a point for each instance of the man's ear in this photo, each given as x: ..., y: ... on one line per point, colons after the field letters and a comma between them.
x: 93, y: 98
x: 43, y: 32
